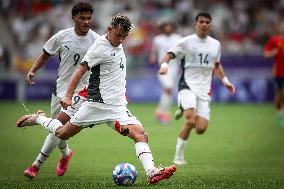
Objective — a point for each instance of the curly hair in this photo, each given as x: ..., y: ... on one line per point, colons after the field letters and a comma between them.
x: 122, y: 21
x: 82, y: 7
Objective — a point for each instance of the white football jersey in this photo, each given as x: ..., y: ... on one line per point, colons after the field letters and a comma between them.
x: 108, y: 73
x: 71, y: 49
x: 164, y: 42
x: 198, y: 57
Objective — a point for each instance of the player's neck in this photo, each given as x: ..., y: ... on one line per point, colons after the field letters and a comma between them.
x: 108, y: 38
x: 201, y: 36
x: 79, y: 32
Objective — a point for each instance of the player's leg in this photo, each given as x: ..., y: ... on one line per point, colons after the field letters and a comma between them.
x: 163, y: 109
x: 279, y: 82
x: 66, y: 152
x: 130, y: 126
x: 50, y: 142
x: 55, y: 109
x: 188, y: 101
x: 203, y: 115
x: 189, y: 123
x: 165, y: 102
x: 49, y: 145
x: 62, y: 132
x: 63, y: 117
x: 144, y: 154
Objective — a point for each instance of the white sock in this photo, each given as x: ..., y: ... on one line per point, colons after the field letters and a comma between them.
x: 49, y: 145
x: 144, y: 154
x: 165, y: 102
x: 180, y: 146
x: 64, y: 149
x: 50, y: 124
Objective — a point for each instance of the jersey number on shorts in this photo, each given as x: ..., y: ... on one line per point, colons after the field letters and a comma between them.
x: 76, y: 58
x: 203, y: 59
x: 76, y: 99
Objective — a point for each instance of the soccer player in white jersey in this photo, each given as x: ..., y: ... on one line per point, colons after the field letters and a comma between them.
x: 162, y: 43
x: 106, y: 98
x: 71, y: 44
x: 200, y: 58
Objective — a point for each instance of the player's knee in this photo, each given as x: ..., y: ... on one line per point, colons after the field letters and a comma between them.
x: 200, y: 130
x: 140, y: 136
x: 190, y: 122
x: 63, y: 134
x: 169, y: 91
x: 144, y: 137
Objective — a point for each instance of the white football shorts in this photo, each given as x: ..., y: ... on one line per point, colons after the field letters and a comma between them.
x: 94, y: 113
x: 169, y: 80
x: 55, y: 106
x: 77, y: 101
x: 188, y: 99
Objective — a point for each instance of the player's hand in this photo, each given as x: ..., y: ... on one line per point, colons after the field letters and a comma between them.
x: 29, y: 78
x: 274, y: 52
x: 231, y: 88
x: 163, y: 69
x: 65, y: 102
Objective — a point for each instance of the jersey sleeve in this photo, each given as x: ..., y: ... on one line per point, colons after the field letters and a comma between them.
x: 94, y: 56
x: 155, y: 42
x: 178, y: 49
x: 52, y: 46
x: 218, y: 57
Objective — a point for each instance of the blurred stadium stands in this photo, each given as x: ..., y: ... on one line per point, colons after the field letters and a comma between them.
x: 242, y: 26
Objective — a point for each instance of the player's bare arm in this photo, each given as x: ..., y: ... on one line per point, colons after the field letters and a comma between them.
x: 219, y: 71
x: 40, y: 61
x: 153, y: 55
x: 164, y: 63
x: 75, y: 78
x: 270, y: 54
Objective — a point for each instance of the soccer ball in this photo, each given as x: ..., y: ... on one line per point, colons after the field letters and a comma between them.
x: 124, y: 174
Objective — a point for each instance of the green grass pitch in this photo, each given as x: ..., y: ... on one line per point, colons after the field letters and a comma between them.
x: 242, y: 148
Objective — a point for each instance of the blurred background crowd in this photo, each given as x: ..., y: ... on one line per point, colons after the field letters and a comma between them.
x: 242, y: 26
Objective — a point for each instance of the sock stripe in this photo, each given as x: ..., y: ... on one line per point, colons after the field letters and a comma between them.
x: 40, y: 162
x: 49, y: 123
x: 44, y: 155
x: 62, y: 147
x: 143, y: 153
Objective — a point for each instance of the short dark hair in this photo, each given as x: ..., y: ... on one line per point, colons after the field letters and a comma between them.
x: 166, y: 23
x: 82, y: 7
x: 203, y: 14
x: 122, y: 21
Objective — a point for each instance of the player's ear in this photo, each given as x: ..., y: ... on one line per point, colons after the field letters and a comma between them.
x: 109, y: 29
x: 73, y: 18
